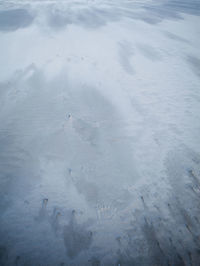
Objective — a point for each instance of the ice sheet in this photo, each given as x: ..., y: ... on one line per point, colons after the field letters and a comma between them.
x: 99, y: 132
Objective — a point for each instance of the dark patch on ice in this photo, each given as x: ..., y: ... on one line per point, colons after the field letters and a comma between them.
x: 181, y: 6
x: 17, y: 261
x: 90, y: 19
x: 94, y: 261
x: 88, y: 189
x: 43, y: 211
x: 125, y: 54
x: 15, y: 166
x: 182, y: 164
x: 86, y: 130
x: 55, y: 220
x: 149, y: 52
x: 195, y: 64
x: 76, y: 237
x: 3, y: 255
x: 14, y: 19
x: 159, y: 12
x: 84, y: 17
x: 183, y: 173
x: 175, y: 37
x: 169, y: 9
x: 156, y: 254
x: 93, y: 17
x: 58, y: 19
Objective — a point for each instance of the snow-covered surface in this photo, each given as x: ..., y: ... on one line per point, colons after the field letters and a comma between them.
x: 100, y: 132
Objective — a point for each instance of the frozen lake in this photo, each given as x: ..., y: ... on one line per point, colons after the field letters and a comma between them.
x: 99, y: 132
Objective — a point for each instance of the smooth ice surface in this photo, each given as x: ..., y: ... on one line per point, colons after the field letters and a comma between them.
x: 99, y: 132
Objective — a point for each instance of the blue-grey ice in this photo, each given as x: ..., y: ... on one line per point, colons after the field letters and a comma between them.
x: 99, y: 132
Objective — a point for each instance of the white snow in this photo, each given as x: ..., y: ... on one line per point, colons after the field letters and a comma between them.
x: 99, y: 114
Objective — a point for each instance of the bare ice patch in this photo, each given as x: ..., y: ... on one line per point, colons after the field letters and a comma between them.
x: 14, y: 19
